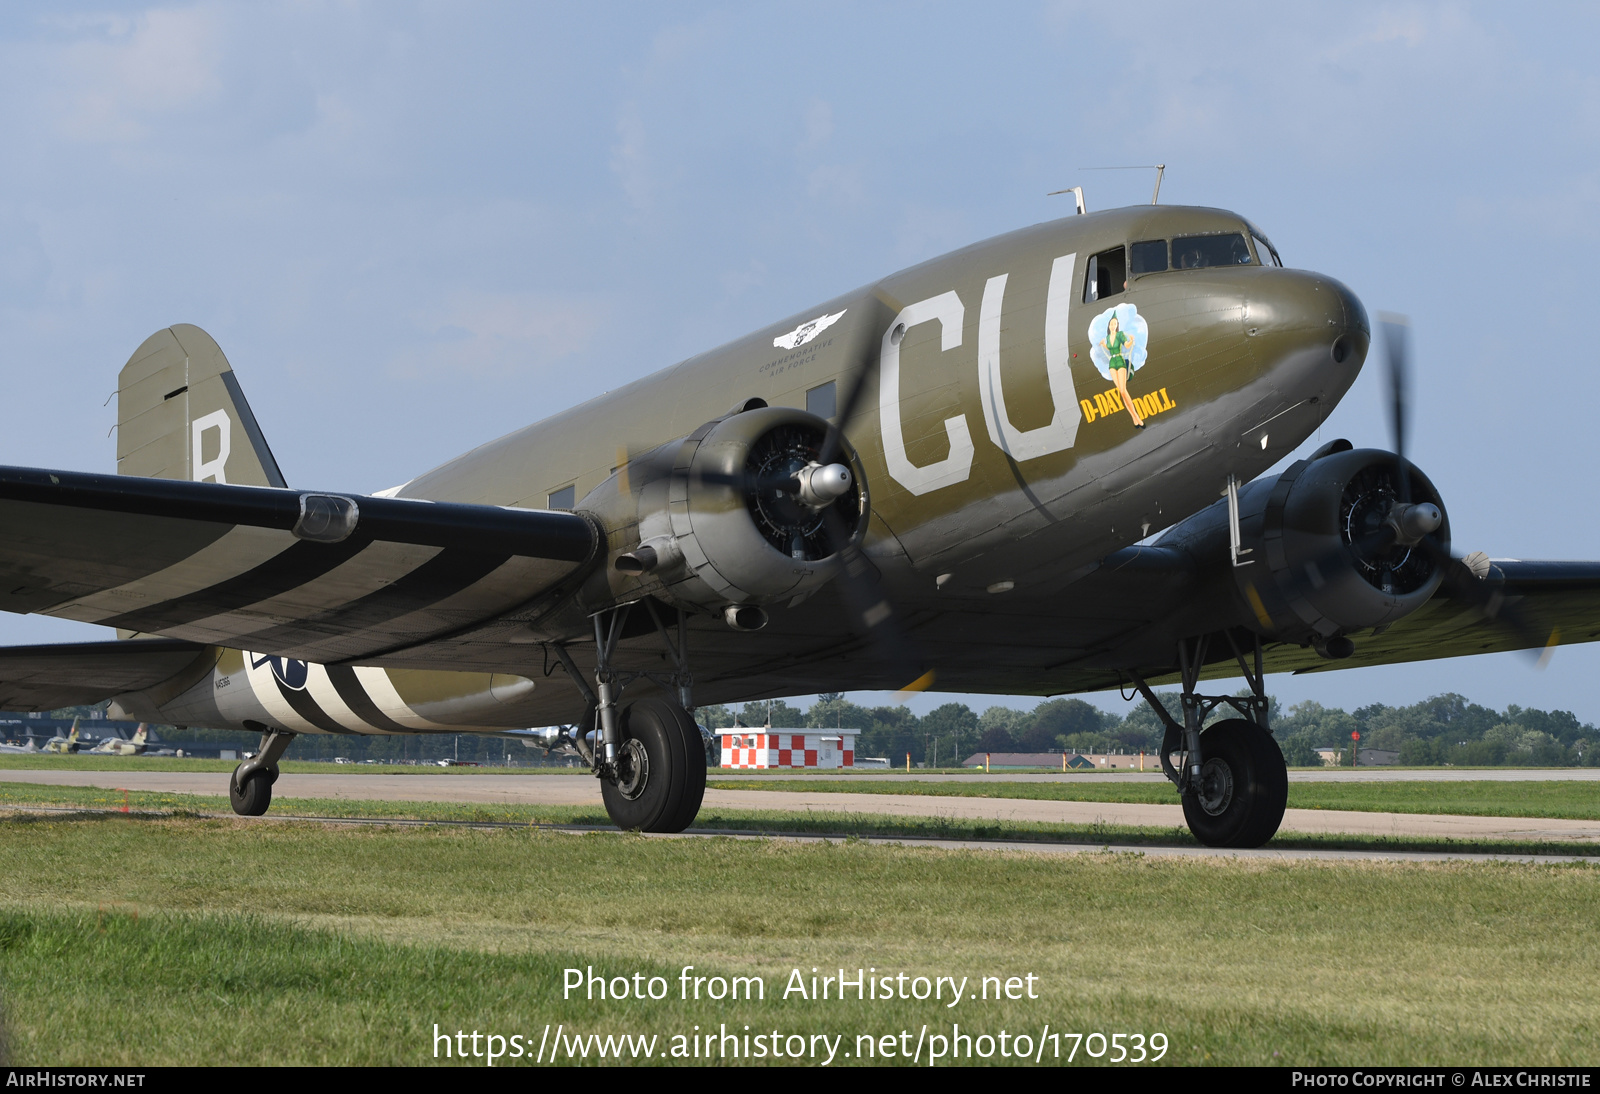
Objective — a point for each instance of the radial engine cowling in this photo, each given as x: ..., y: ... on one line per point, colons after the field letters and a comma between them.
x: 1334, y: 549
x: 740, y: 512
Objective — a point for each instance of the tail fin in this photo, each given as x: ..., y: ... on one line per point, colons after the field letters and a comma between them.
x: 72, y: 738
x: 141, y: 733
x: 182, y: 415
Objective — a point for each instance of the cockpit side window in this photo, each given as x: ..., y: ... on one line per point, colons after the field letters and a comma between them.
x: 1106, y: 275
x: 1149, y: 256
x: 1202, y: 252
x: 1265, y: 251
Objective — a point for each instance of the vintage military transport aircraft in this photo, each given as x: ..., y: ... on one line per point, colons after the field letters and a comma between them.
x: 1024, y: 467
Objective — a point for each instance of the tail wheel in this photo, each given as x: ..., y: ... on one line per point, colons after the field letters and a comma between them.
x: 252, y: 799
x: 661, y: 769
x: 1243, y: 788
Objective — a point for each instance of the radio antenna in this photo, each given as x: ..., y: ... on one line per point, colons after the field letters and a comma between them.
x: 1077, y: 196
x: 1158, y: 168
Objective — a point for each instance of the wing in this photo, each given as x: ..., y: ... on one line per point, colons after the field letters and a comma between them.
x: 1555, y: 603
x: 319, y: 577
x: 1121, y: 613
x: 47, y: 677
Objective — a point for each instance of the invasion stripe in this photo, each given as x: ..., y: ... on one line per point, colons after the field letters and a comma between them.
x: 344, y: 681
x: 264, y: 689
x: 296, y: 566
x: 327, y: 697
x: 239, y: 549
x: 378, y: 684
x: 305, y: 706
x: 371, y: 571
x: 441, y: 577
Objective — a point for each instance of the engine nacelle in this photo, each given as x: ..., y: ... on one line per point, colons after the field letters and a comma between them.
x: 1323, y: 563
x: 738, y: 513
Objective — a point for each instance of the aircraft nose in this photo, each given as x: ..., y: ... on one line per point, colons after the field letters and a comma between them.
x: 1310, y: 308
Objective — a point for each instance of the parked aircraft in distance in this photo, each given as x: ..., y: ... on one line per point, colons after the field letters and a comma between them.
x: 1029, y: 466
x: 116, y: 746
x: 68, y: 743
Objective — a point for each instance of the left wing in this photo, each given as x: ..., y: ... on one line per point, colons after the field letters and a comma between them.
x: 318, y: 577
x: 1530, y: 606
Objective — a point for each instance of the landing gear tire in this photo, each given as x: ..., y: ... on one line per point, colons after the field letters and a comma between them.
x: 1243, y: 788
x: 252, y: 800
x: 661, y: 769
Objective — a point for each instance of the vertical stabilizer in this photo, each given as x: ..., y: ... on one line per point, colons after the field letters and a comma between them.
x: 182, y: 415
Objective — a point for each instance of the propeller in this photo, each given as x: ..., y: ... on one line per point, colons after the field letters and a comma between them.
x: 1397, y: 347
x: 1413, y: 525
x: 817, y: 485
x: 828, y: 455
x: 871, y: 610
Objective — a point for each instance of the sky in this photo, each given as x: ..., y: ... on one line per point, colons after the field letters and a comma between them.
x: 414, y: 227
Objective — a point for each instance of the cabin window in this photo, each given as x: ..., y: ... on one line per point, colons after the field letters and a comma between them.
x: 564, y: 498
x: 823, y: 400
x: 1265, y: 251
x: 1106, y: 275
x: 1149, y: 256
x: 1202, y: 252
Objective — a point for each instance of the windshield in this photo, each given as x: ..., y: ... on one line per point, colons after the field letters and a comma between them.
x: 1265, y: 251
x: 1200, y: 252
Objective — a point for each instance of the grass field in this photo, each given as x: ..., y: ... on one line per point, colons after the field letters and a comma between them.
x: 1572, y: 800
x: 222, y: 941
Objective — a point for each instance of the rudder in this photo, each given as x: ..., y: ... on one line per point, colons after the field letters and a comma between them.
x: 181, y: 414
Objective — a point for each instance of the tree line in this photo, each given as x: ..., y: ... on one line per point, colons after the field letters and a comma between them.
x: 1445, y: 729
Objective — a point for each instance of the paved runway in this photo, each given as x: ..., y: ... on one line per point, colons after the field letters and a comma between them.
x: 537, y: 789
x: 1041, y: 847
x: 1330, y: 775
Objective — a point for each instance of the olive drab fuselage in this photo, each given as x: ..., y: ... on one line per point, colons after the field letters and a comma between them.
x: 992, y: 447
x: 997, y: 453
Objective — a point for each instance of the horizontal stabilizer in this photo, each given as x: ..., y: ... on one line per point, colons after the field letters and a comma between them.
x: 81, y: 673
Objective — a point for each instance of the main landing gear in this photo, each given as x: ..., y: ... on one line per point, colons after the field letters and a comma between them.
x: 1231, y: 774
x: 649, y: 755
x: 250, y: 787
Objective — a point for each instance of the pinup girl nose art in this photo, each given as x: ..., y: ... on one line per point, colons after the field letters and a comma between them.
x: 1119, y: 342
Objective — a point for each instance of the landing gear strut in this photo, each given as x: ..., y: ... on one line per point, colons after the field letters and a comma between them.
x: 1233, y: 779
x: 250, y: 786
x: 649, y: 755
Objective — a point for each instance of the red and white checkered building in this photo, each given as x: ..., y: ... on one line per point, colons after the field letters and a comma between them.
x: 797, y: 748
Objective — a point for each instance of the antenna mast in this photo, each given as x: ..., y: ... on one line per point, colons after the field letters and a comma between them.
x: 1077, y: 196
x: 1159, y: 168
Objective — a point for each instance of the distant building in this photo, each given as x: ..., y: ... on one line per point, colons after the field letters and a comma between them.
x: 1067, y: 761
x: 763, y: 749
x: 1333, y: 756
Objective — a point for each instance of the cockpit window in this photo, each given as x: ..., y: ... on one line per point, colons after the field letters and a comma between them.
x: 1201, y: 252
x: 1265, y: 251
x: 1106, y: 275
x: 1149, y: 256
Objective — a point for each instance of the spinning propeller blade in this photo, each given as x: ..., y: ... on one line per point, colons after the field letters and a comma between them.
x: 1461, y: 580
x: 871, y: 610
